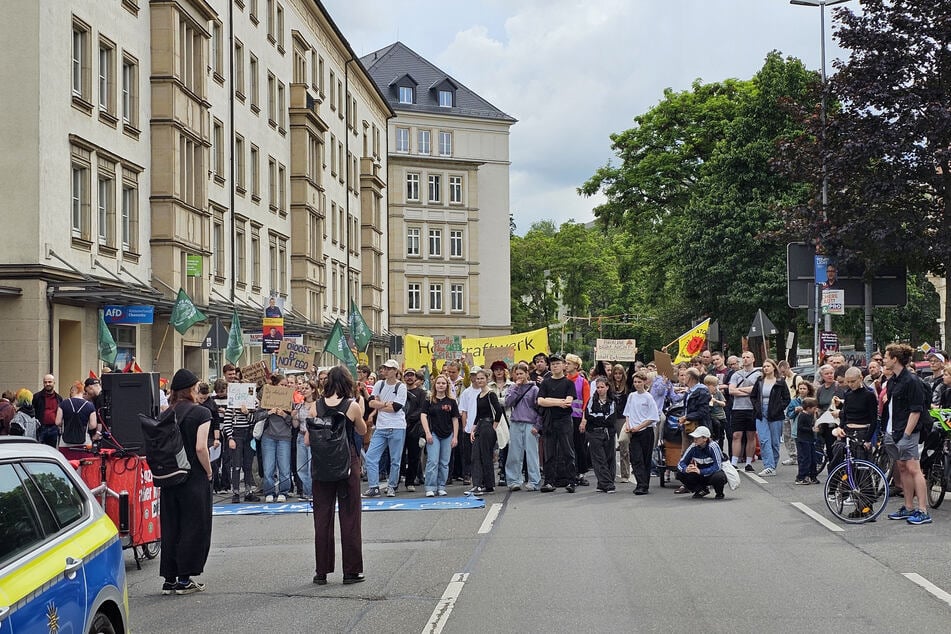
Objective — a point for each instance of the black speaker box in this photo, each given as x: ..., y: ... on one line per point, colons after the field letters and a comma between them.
x: 125, y: 396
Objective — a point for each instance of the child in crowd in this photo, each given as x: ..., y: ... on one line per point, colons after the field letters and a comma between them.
x: 806, y: 440
x: 717, y: 405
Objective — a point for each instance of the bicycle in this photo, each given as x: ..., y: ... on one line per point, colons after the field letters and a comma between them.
x: 936, y: 458
x: 856, y: 490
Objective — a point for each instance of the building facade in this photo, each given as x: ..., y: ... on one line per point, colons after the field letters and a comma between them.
x: 448, y: 154
x: 231, y: 148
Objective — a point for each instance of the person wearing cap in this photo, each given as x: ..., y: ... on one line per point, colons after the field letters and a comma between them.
x: 540, y: 368
x: 389, y: 401
x: 936, y: 387
x: 412, y: 451
x: 186, y: 508
x: 92, y: 392
x: 699, y: 467
x: 556, y: 395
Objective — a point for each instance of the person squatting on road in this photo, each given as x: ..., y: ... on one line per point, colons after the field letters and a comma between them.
x: 699, y: 468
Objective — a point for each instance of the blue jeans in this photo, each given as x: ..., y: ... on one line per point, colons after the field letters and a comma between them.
x: 521, y: 440
x: 303, y: 465
x: 276, y: 453
x: 383, y: 438
x: 48, y: 435
x: 437, y: 463
x: 769, y: 432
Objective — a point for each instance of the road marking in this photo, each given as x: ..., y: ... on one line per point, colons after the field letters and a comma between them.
x: 490, y: 518
x: 755, y: 478
x: 835, y: 528
x: 440, y: 614
x: 927, y: 585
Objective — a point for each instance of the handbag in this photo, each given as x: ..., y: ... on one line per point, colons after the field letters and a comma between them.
x: 732, y: 475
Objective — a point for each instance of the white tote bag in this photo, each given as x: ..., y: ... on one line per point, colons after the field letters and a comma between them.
x: 732, y: 475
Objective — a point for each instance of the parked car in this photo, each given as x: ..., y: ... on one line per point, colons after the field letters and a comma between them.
x: 61, y: 559
x: 807, y: 372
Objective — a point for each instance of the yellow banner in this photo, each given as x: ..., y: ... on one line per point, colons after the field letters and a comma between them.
x: 692, y: 342
x: 418, y: 350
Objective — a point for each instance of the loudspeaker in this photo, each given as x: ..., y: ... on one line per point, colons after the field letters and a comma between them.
x: 124, y: 397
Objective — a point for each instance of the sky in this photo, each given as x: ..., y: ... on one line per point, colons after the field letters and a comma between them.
x: 573, y: 72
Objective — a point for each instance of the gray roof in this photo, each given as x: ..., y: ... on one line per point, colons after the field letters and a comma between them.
x: 390, y: 64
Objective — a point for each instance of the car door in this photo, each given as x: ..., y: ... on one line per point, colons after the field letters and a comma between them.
x: 47, y: 582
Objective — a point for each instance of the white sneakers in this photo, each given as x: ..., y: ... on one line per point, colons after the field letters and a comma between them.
x: 767, y: 472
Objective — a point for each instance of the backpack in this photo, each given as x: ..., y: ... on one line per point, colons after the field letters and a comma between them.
x: 329, y: 442
x: 165, y: 449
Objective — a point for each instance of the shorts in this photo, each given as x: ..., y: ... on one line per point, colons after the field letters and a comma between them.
x: 905, y: 449
x: 743, y: 420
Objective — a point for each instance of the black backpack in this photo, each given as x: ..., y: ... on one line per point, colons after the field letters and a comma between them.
x: 329, y: 442
x: 165, y: 449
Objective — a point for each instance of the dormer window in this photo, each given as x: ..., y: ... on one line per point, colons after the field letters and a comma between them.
x: 406, y: 94
x: 445, y: 99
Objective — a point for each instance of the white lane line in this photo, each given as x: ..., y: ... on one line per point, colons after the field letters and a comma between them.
x: 440, y: 614
x: 927, y: 585
x: 490, y: 518
x: 835, y: 528
x: 755, y: 478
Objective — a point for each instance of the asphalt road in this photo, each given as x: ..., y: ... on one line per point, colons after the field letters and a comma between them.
x: 564, y: 562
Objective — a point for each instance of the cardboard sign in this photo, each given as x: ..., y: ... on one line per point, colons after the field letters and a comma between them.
x: 447, y: 347
x: 615, y: 350
x: 505, y: 354
x: 242, y: 394
x: 295, y: 356
x: 275, y: 396
x: 665, y: 366
x: 255, y: 373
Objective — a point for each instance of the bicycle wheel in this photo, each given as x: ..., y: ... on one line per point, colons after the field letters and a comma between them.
x: 936, y: 484
x: 883, y: 462
x: 820, y: 458
x: 859, y: 499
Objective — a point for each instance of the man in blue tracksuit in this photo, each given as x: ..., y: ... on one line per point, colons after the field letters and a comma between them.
x: 699, y: 467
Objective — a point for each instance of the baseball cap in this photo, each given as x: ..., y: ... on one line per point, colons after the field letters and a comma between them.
x: 556, y: 357
x: 700, y: 432
x: 391, y: 363
x: 409, y: 371
x: 937, y: 355
x: 475, y: 369
x: 90, y: 381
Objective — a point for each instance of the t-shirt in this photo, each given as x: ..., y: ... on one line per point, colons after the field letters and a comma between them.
x: 397, y: 394
x: 640, y: 407
x: 742, y: 378
x: 76, y: 413
x: 440, y: 415
x: 559, y: 389
x: 191, y: 416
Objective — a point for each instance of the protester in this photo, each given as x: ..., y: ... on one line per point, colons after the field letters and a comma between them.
x: 499, y: 383
x: 24, y: 422
x: 583, y: 392
x: 744, y: 419
x: 311, y: 392
x: 556, y: 396
x: 770, y: 397
x: 618, y: 382
x: 275, y: 445
x: 641, y: 415
x: 521, y: 399
x: 236, y: 427
x: 45, y: 405
x: 487, y: 414
x: 389, y: 401
x: 415, y: 405
x: 440, y: 422
x: 598, y: 428
x: 77, y: 423
x: 806, y: 438
x: 699, y: 467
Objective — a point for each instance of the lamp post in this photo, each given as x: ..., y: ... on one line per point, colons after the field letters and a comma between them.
x: 822, y: 4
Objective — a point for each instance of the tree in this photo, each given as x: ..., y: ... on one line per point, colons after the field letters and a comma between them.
x: 887, y: 150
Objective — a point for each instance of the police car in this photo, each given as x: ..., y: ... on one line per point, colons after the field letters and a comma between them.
x: 61, y: 563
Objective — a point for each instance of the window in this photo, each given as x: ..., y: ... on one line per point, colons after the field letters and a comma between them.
x: 81, y: 61
x: 106, y: 205
x: 272, y: 263
x: 239, y: 70
x: 333, y: 222
x: 281, y: 106
x: 280, y: 28
x: 218, y: 249
x: 333, y: 155
x: 21, y: 530
x: 62, y: 498
x: 422, y: 142
x: 300, y: 67
x: 281, y: 189
x: 239, y: 163
x: 413, y: 296
x: 455, y: 189
x: 412, y: 187
x: 130, y: 212
x: 217, y: 54
x: 191, y: 67
x: 272, y: 183
x: 455, y: 244
x: 445, y: 144
x: 455, y: 297
x: 340, y: 98
x: 412, y: 241
x: 107, y: 81
x: 255, y: 173
x: 218, y: 149
x: 253, y: 10
x: 320, y: 75
x: 255, y: 261
x: 333, y: 91
x: 191, y: 170
x: 435, y: 243
x: 80, y: 193
x: 270, y: 20
x: 241, y: 255
x: 406, y: 94
x: 253, y: 85
x: 445, y: 99
x: 434, y: 188
x: 130, y: 92
x: 281, y: 267
x: 435, y: 297
x: 271, y: 98
x: 313, y: 159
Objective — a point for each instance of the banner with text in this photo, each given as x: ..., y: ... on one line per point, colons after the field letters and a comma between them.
x: 418, y: 350
x: 616, y: 350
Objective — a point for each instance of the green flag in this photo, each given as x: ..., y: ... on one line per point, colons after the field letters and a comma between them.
x: 235, y: 347
x: 184, y: 313
x: 359, y: 330
x: 337, y: 346
x: 107, y: 345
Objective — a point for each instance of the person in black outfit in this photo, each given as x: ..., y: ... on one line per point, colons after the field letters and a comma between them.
x: 186, y: 508
x: 483, y: 436
x: 858, y: 416
x: 555, y: 396
x: 598, y: 428
x: 415, y: 405
x: 806, y: 441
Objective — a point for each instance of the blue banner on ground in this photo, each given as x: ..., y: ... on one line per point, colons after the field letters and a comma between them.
x: 390, y: 504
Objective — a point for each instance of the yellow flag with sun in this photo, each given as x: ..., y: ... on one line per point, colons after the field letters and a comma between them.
x: 692, y: 342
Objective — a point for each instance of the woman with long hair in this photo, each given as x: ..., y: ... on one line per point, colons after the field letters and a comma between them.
x: 770, y: 397
x: 440, y: 420
x: 524, y: 427
x: 483, y: 435
x: 618, y: 384
x: 499, y: 384
x: 310, y: 391
x: 337, y: 401
x: 598, y: 427
x: 275, y: 447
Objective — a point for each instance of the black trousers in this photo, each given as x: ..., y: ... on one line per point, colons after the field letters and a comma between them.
x: 185, y: 518
x: 345, y: 494
x: 460, y: 458
x: 642, y: 445
x: 601, y: 450
x: 695, y: 481
x: 483, y: 450
x: 411, y: 454
x: 582, y: 459
x: 559, y: 453
x: 241, y: 460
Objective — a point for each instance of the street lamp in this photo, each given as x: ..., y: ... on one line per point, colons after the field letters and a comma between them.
x: 822, y: 4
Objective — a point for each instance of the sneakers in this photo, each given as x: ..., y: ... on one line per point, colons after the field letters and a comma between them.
x: 250, y: 497
x: 702, y: 493
x: 515, y: 487
x: 430, y: 494
x: 530, y: 487
x: 372, y: 492
x: 803, y: 482
x: 767, y: 472
x: 718, y: 496
x: 168, y: 588
x: 193, y: 586
x: 918, y: 517
x: 749, y: 468
x: 547, y: 488
x: 582, y: 481
x: 411, y: 488
x: 570, y: 488
x: 282, y: 498
x: 789, y: 461
x: 236, y: 499
x: 390, y: 492
x: 902, y: 514
x: 270, y: 498
x: 813, y: 480
x: 442, y: 493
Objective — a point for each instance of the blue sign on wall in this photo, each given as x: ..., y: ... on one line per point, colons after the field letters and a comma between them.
x: 129, y: 315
